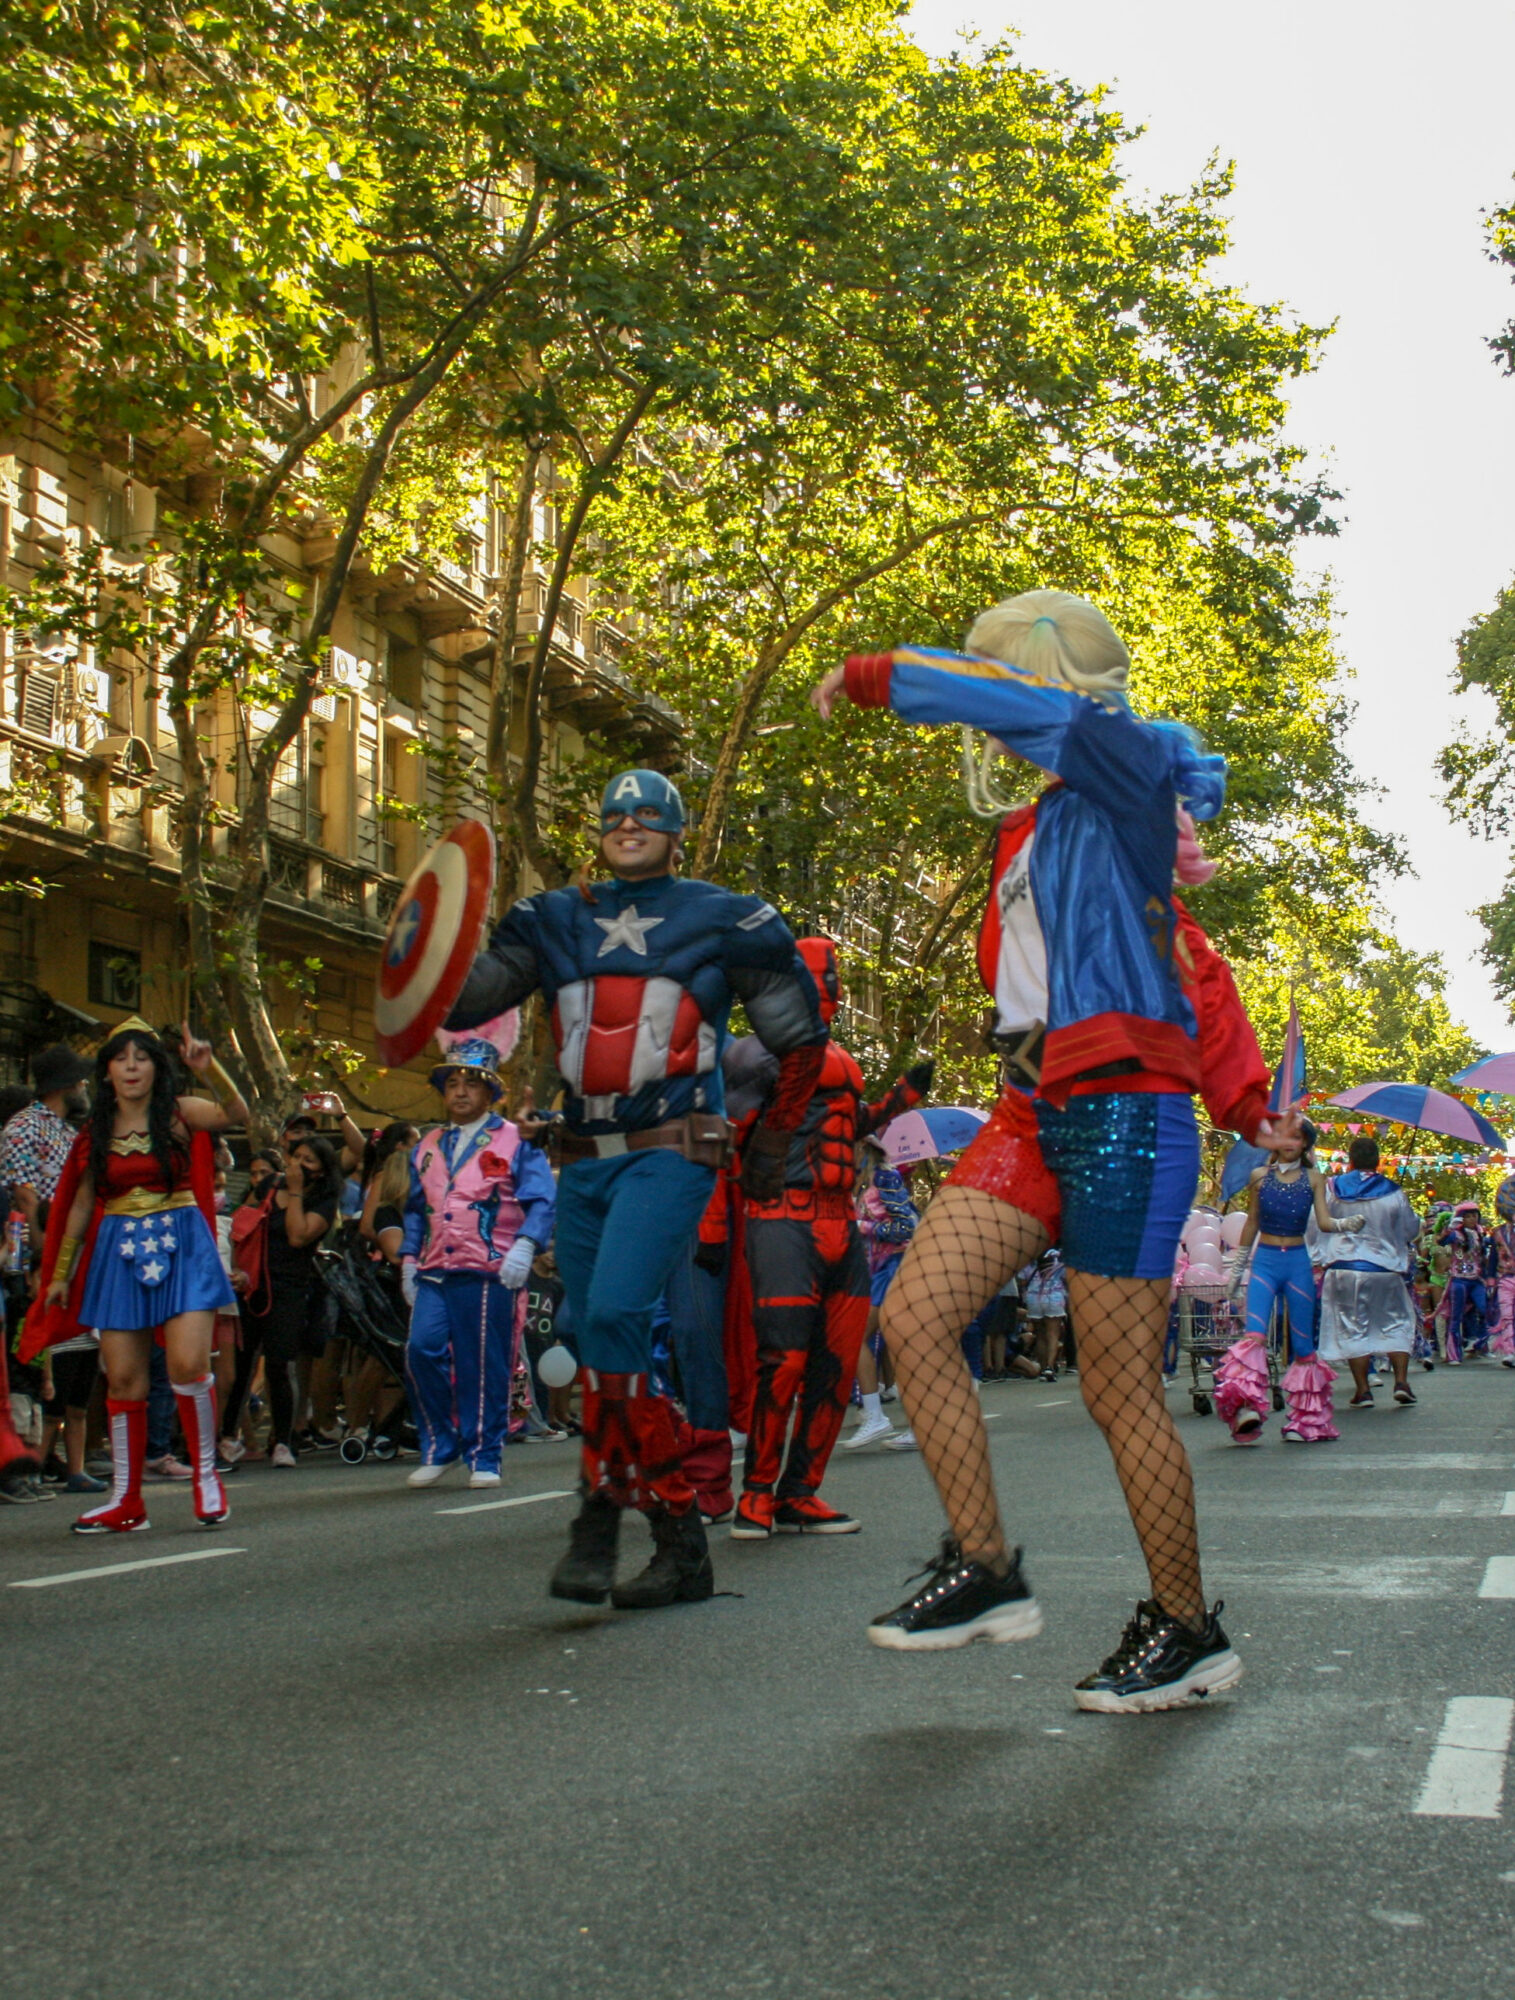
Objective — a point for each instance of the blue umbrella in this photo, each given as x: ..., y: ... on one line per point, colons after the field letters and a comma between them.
x: 1429, y: 1110
x: 925, y: 1135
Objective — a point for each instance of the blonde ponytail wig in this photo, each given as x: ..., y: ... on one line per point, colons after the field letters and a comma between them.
x: 1057, y: 637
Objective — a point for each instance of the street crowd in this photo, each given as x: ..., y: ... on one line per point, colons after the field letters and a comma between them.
x: 312, y: 1357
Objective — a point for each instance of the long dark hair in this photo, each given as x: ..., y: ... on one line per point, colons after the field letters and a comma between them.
x: 330, y: 1182
x: 162, y: 1107
x: 381, y: 1144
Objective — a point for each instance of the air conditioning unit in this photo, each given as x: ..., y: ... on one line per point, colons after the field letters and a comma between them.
x: 127, y: 758
x: 40, y: 708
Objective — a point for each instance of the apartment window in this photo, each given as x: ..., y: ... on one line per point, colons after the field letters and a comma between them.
x: 404, y: 670
x: 115, y: 976
x: 294, y: 806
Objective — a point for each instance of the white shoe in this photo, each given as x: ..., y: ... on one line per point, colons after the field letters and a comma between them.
x: 901, y: 1441
x: 1375, y: 1380
x: 283, y: 1458
x: 483, y: 1479
x: 428, y: 1475
x: 869, y: 1431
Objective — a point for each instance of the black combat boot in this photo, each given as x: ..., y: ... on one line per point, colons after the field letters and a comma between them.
x: 679, y: 1572
x: 587, y: 1572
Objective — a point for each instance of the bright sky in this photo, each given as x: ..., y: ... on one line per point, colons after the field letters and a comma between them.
x: 1367, y: 141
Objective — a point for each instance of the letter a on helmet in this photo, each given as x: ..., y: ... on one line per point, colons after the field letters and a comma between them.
x: 647, y: 796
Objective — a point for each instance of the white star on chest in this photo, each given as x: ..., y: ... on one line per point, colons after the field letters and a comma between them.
x: 627, y: 929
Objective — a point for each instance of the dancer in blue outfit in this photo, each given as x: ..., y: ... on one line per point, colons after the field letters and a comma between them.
x: 1286, y: 1196
x: 640, y: 972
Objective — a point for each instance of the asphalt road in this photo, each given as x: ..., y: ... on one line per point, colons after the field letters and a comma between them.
x: 359, y: 1752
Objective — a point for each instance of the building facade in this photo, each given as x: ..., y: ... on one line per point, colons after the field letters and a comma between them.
x: 92, y: 924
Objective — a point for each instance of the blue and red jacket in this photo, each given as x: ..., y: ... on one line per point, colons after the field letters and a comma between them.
x: 1123, y: 983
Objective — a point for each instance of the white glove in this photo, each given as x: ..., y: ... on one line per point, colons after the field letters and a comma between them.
x: 408, y: 1280
x: 1354, y: 1224
x: 515, y: 1268
x: 1236, y: 1276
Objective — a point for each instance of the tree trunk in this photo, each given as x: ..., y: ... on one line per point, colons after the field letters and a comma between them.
x: 771, y: 657
x: 593, y: 479
x: 502, y: 674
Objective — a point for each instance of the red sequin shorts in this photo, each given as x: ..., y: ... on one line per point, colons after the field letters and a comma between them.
x: 1005, y: 1160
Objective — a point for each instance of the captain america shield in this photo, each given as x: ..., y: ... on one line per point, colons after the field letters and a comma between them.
x: 431, y: 941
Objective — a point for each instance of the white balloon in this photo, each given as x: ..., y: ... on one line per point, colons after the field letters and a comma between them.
x: 1232, y: 1226
x: 557, y: 1367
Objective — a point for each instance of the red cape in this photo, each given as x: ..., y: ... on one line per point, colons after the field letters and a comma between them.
x: 47, y: 1325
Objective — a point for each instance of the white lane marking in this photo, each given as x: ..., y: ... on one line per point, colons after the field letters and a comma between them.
x: 120, y: 1569
x: 1055, y: 1404
x: 520, y: 1500
x: 1498, y: 1577
x: 1465, y: 1777
x: 1509, y: 1504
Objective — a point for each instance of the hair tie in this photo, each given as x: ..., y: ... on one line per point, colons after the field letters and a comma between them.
x: 1043, y: 620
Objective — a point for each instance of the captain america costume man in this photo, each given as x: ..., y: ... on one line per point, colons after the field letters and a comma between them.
x: 640, y: 972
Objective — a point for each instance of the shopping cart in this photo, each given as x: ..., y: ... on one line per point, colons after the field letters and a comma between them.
x: 1208, y: 1323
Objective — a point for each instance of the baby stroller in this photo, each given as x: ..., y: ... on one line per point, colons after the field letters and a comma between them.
x: 1209, y: 1324
x: 375, y: 1321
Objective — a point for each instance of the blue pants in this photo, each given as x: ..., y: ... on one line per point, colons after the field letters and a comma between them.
x: 622, y: 1227
x: 1290, y: 1276
x: 1464, y: 1296
x: 696, y: 1304
x: 458, y: 1364
x: 161, y: 1407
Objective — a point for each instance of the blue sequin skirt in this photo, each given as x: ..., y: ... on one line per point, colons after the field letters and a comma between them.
x: 1126, y: 1166
x: 145, y: 1269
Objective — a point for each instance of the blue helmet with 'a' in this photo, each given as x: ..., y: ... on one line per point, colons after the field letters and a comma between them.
x: 647, y: 796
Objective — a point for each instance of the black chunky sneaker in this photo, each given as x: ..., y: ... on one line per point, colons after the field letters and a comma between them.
x: 1161, y: 1664
x: 587, y: 1572
x: 680, y: 1571
x: 961, y: 1601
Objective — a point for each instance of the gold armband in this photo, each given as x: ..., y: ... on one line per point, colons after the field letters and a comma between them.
x: 221, y: 1084
x: 68, y: 1250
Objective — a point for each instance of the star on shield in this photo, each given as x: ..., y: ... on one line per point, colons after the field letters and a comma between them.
x: 627, y: 929
x: 406, y: 925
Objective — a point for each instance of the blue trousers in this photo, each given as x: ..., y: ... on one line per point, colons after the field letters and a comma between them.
x: 161, y: 1407
x: 1464, y: 1296
x: 1287, y: 1275
x: 458, y: 1364
x: 623, y: 1225
x: 696, y: 1303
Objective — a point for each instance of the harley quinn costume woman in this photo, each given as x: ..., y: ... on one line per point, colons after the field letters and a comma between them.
x: 131, y: 1251
x: 1111, y: 1011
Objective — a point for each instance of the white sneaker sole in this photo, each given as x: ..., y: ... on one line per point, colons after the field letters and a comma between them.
x: 1022, y: 1620
x: 1209, y: 1677
x: 817, y: 1528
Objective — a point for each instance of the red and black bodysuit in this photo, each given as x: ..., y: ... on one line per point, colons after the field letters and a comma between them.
x: 810, y: 1282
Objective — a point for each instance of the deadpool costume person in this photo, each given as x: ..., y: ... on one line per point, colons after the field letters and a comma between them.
x: 810, y: 1290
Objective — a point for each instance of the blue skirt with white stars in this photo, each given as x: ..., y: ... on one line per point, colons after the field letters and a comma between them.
x: 145, y: 1269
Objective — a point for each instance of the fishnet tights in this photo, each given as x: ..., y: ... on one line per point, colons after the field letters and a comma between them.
x: 1120, y: 1324
x: 968, y: 1244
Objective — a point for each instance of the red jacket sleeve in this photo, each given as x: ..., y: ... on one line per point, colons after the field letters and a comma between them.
x: 1234, y: 1079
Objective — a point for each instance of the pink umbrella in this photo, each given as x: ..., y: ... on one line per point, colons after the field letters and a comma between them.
x: 1495, y: 1073
x: 1427, y: 1110
x: 926, y: 1135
